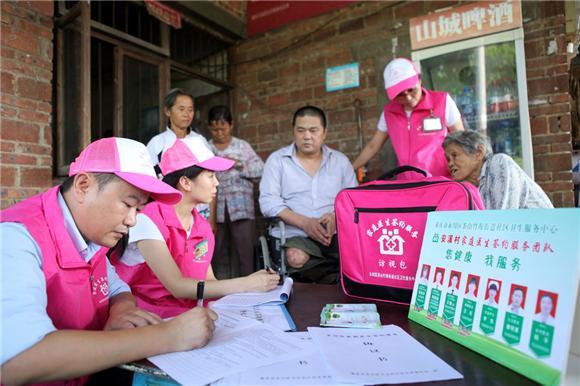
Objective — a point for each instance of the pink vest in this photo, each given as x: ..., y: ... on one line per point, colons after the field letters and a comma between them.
x: 77, y: 291
x: 412, y: 145
x: 191, y: 254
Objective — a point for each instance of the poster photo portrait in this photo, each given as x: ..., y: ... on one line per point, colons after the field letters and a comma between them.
x: 546, y: 307
x: 472, y: 287
x: 438, y: 279
x: 517, y: 299
x: 492, y: 292
x: 425, y: 270
x: 454, y: 280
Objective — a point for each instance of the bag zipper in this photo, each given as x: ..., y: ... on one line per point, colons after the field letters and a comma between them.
x: 413, y: 185
x: 398, y: 186
x: 413, y: 209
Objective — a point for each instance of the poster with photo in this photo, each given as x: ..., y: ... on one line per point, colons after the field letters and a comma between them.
x: 436, y: 292
x: 507, y: 286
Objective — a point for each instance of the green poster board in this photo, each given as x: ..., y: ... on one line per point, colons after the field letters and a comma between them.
x: 515, y: 283
x: 449, y: 307
x: 488, y: 319
x: 434, y: 301
x: 421, y: 295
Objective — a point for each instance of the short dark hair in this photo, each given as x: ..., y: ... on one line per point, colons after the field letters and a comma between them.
x: 219, y: 113
x: 172, y: 95
x: 310, y: 111
x: 102, y: 180
x: 191, y: 172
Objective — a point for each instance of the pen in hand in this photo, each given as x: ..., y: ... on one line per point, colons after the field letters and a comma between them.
x: 200, y: 287
x: 270, y: 270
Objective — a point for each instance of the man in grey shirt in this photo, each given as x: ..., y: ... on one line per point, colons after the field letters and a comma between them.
x: 299, y: 185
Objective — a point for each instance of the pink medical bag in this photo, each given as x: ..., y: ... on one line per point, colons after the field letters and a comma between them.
x: 380, y: 228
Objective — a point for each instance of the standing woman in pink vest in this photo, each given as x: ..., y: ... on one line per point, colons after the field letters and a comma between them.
x: 417, y: 120
x: 171, y: 247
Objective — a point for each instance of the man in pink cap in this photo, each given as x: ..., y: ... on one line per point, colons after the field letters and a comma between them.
x: 417, y: 120
x: 59, y: 290
x: 170, y: 248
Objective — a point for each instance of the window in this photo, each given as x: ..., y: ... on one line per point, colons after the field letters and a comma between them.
x: 114, y: 65
x: 486, y: 78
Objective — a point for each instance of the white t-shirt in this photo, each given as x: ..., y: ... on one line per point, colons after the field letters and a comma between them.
x: 164, y: 141
x: 452, y: 115
x: 144, y: 229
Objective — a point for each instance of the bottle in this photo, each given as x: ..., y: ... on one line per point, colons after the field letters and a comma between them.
x: 506, y: 98
x: 494, y: 98
x: 505, y: 130
x: 466, y: 103
x: 509, y: 97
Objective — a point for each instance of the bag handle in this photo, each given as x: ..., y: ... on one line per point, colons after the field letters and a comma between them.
x: 402, y: 169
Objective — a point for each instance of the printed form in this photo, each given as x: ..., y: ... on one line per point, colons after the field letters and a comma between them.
x: 238, y: 344
x: 278, y: 295
x: 371, y: 357
x: 308, y: 369
x: 274, y: 315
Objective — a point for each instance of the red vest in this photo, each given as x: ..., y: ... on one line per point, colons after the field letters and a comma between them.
x: 192, y: 255
x: 77, y: 291
x: 412, y: 145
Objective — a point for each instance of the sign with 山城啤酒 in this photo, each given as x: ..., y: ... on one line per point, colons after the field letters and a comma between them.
x: 464, y: 22
x: 504, y: 284
x: 342, y: 77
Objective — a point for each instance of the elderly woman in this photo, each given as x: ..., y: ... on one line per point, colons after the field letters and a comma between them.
x: 501, y: 182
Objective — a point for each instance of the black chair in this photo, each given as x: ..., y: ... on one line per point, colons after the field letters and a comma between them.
x: 269, y: 251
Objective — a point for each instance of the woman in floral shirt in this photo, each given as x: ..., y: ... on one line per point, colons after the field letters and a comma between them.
x: 235, y: 200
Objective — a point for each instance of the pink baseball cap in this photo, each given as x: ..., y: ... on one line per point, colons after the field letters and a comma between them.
x: 192, y: 151
x: 400, y: 75
x: 128, y: 160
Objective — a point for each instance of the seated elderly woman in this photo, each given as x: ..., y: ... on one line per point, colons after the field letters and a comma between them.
x: 501, y: 182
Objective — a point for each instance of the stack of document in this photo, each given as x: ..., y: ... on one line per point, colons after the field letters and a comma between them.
x: 248, y: 351
x: 361, y: 315
x: 238, y: 345
x: 279, y: 295
x: 308, y: 369
x: 351, y: 357
x: 266, y: 307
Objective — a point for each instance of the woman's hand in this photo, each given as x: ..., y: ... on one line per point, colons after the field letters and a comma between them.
x: 261, y: 281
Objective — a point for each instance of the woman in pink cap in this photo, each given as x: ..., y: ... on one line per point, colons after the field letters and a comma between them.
x: 417, y: 120
x: 170, y: 248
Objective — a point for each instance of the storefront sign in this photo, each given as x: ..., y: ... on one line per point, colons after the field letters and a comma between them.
x: 342, y: 77
x: 266, y: 15
x: 164, y: 13
x: 468, y: 21
x: 509, y: 280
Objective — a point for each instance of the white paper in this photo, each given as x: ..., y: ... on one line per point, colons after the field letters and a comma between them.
x: 371, y: 357
x: 307, y: 370
x: 273, y: 315
x: 238, y: 344
x: 279, y: 295
x: 230, y: 323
